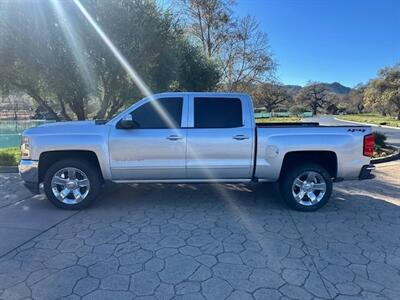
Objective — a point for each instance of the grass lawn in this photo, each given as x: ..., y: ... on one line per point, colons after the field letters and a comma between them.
x: 278, y: 120
x: 9, y: 156
x: 372, y: 118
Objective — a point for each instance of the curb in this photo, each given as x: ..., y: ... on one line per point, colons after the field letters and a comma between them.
x: 368, y: 124
x: 8, y: 169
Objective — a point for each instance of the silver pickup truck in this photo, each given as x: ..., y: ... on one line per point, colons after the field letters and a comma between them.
x: 192, y: 138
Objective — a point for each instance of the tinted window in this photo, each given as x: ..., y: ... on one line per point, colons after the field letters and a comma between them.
x: 149, y: 117
x: 217, y: 113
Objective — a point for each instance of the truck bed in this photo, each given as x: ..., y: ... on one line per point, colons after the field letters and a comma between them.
x: 275, y: 140
x: 288, y: 124
x: 305, y: 124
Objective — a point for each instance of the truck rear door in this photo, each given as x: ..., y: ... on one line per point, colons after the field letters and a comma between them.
x: 219, y: 138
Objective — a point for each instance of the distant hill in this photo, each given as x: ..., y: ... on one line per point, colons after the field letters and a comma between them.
x: 337, y: 88
x: 334, y: 87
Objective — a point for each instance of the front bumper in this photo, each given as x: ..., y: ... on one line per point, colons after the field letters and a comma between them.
x: 29, y: 171
x: 365, y: 172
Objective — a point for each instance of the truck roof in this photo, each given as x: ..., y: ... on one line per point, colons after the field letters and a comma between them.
x: 208, y: 94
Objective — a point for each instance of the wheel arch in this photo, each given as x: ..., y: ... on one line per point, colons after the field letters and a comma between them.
x: 326, y: 159
x: 48, y: 158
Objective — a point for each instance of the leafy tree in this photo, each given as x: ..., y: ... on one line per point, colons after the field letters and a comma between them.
x: 19, y: 67
x: 314, y: 96
x: 355, y: 99
x: 237, y: 44
x: 271, y: 96
x: 297, y: 109
x: 146, y: 36
x: 211, y: 22
x: 51, y: 53
x: 246, y: 59
x: 196, y: 72
x: 383, y: 93
x: 35, y: 59
x: 334, y: 103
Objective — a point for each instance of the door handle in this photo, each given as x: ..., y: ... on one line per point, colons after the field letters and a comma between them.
x: 174, y: 137
x: 240, y: 137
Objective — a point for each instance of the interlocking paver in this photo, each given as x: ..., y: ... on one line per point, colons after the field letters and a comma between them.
x: 215, y: 288
x: 104, y: 268
x: 178, y: 268
x: 86, y: 285
x: 144, y: 283
x: 192, y: 242
x: 115, y: 282
x: 58, y: 284
x: 11, y: 189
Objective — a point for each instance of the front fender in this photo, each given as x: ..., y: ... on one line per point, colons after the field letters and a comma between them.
x: 96, y: 143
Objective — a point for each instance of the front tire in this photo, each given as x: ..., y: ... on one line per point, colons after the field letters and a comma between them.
x: 72, y: 184
x: 307, y: 187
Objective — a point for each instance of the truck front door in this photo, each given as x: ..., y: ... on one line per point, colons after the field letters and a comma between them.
x: 156, y: 150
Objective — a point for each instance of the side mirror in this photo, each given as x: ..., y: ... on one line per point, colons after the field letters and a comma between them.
x: 127, y: 122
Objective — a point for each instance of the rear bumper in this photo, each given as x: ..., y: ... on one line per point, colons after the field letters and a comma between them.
x: 29, y: 171
x: 365, y: 172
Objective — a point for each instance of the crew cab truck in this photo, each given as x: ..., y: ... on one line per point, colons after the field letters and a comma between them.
x: 192, y: 138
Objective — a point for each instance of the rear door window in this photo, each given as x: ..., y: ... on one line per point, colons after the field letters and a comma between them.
x: 217, y: 112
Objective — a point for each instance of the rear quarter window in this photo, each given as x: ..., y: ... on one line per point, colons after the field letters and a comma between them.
x: 217, y: 112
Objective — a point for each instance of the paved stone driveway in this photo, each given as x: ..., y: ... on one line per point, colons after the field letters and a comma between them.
x: 215, y: 242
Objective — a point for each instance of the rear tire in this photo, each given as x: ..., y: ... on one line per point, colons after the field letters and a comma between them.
x: 72, y: 184
x: 307, y: 187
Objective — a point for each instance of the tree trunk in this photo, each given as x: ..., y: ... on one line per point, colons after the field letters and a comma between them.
x: 105, y: 103
x: 80, y: 110
x: 268, y: 108
x: 360, y: 108
x: 77, y: 105
x: 314, y: 108
x: 397, y: 105
x: 63, y: 110
x: 39, y: 100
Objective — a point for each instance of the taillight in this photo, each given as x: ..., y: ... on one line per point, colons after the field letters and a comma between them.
x: 369, y: 143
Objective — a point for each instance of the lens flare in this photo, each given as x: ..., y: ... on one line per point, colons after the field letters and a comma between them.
x: 76, y: 45
x: 221, y: 190
x: 145, y: 90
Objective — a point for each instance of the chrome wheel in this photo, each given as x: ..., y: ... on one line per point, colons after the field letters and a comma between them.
x: 70, y: 185
x: 309, y: 188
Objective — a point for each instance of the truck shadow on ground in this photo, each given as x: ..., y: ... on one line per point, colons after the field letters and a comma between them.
x: 358, y: 195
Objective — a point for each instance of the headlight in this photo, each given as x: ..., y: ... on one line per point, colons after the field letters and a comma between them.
x: 25, y: 148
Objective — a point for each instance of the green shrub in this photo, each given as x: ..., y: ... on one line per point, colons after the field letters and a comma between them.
x: 380, y: 139
x: 9, y: 157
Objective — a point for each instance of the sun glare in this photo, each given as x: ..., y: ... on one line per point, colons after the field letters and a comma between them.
x: 76, y: 45
x: 124, y: 63
x: 148, y: 93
